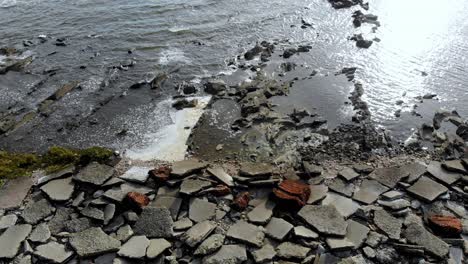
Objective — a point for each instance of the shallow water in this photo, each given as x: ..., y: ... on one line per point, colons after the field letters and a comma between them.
x: 198, y: 38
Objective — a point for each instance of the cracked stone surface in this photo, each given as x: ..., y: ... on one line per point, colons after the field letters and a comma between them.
x: 448, y: 177
x: 418, y: 235
x: 40, y: 234
x: 156, y: 247
x: 278, y: 228
x: 317, y: 193
x: 246, y: 233
x: 93, y: 242
x: 53, y: 252
x: 154, y: 223
x: 135, y: 247
x: 210, y: 245
x: 221, y: 175
x: 187, y: 167
x: 427, y: 189
x: 201, y: 210
x: 198, y: 233
x: 232, y: 254
x: 290, y: 250
x: 389, y: 176
x: 59, y: 190
x: 262, y: 212
x: 324, y: 218
x: 264, y: 254
x: 389, y: 224
x: 344, y: 205
x: 369, y: 191
x: 36, y: 211
x: 94, y: 173
x: 11, y: 239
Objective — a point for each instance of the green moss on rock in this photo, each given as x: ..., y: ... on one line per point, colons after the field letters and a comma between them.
x: 13, y: 165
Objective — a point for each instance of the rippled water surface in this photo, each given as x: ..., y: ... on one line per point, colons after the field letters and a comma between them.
x: 422, y: 49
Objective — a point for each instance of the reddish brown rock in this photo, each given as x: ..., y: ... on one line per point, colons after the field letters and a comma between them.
x: 446, y: 226
x: 136, y: 201
x: 160, y: 174
x: 241, y: 201
x: 292, y: 193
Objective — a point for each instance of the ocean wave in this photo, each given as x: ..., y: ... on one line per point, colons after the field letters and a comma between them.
x: 173, y: 55
x: 7, y: 3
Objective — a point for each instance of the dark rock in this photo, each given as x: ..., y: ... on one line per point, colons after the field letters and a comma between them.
x: 250, y: 54
x: 324, y: 218
x: 288, y: 53
x: 185, y: 103
x: 215, y: 87
x: 154, y: 223
x: 361, y: 42
x: 93, y: 242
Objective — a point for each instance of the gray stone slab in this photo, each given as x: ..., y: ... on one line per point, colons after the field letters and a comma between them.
x: 232, y: 254
x: 340, y: 186
x: 156, y: 247
x: 427, y: 189
x: 454, y: 166
x: 57, y: 223
x: 169, y: 202
x: 392, y: 195
x: 93, y: 242
x: 317, y: 193
x: 36, y: 211
x: 247, y: 233
x: 418, y: 235
x: 395, y: 205
x: 193, y: 186
x: 389, y: 224
x: 59, y: 190
x: 7, y: 220
x: 255, y: 169
x: 221, y: 175
x: 134, y: 248
x: 278, y: 228
x: 183, y: 224
x: 136, y: 174
x: 14, y: 191
x: 356, y: 233
x: 198, y: 233
x: 123, y: 234
x: 339, y: 244
x: 304, y: 232
x: 42, y: 179
x: 154, y: 223
x: 290, y: 250
x: 40, y: 234
x: 11, y: 239
x: 369, y: 191
x: 53, y: 252
x: 210, y: 245
x: 93, y: 213
x: 324, y: 218
x: 415, y: 170
x: 264, y: 255
x: 118, y: 193
x: 262, y: 212
x: 344, y: 205
x: 77, y: 225
x: 94, y: 173
x: 348, y: 174
x: 448, y: 177
x: 187, y: 167
x: 389, y: 176
x: 201, y: 210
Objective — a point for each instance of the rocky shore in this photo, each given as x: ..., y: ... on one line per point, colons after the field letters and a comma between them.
x: 387, y: 211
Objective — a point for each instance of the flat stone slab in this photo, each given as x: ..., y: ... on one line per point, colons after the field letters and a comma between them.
x: 154, y: 223
x: 14, y: 191
x: 392, y: 195
x: 418, y: 235
x: 324, y: 218
x: 262, y: 212
x: 455, y: 166
x: 201, y: 210
x: 348, y: 174
x: 156, y: 247
x: 427, y: 189
x: 53, y: 252
x: 59, y: 190
x: 183, y: 224
x: 192, y: 186
x: 339, y: 244
x: 251, y: 169
x: 41, y: 179
x: 40, y: 234
x: 221, y: 175
x: 210, y: 245
x: 136, y: 174
x: 278, y: 228
x: 94, y: 173
x: 340, y: 186
x: 118, y: 193
x: 290, y: 250
x: 448, y: 177
x: 169, y: 202
x: 36, y: 211
x: 7, y: 221
x: 304, y: 232
x: 11, y: 239
x: 228, y: 254
x: 186, y: 167
x: 198, y: 233
x: 265, y: 254
x: 344, y: 205
x: 93, y: 212
x: 415, y: 170
x: 389, y: 224
x: 356, y: 233
x: 389, y: 176
x: 247, y: 233
x: 135, y: 247
x: 93, y: 242
x: 369, y: 191
x: 317, y: 193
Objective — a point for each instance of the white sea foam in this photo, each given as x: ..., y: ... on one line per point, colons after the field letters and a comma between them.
x: 173, y: 55
x: 169, y: 143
